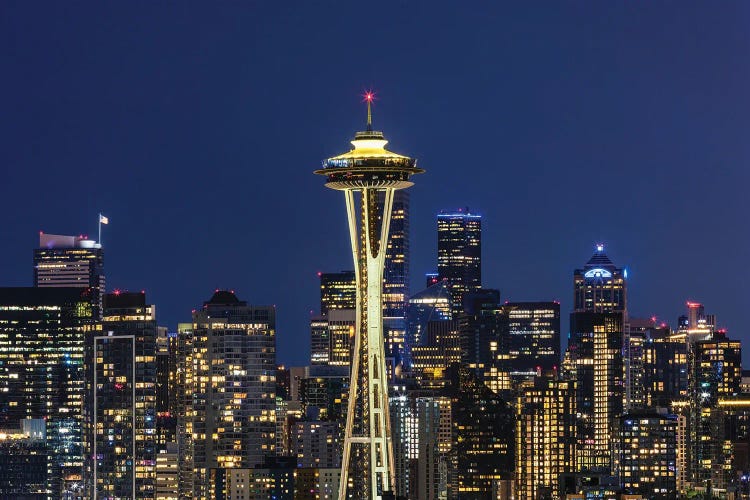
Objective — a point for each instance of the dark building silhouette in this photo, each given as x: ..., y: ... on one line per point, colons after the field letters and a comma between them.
x: 483, y: 436
x: 532, y: 336
x: 337, y: 291
x: 460, y: 253
x: 481, y: 326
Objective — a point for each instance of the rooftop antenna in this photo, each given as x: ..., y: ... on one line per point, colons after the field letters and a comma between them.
x: 369, y: 96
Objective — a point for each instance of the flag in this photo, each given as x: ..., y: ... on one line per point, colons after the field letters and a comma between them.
x: 103, y: 219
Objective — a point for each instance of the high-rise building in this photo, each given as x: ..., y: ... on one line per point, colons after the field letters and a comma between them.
x: 320, y: 341
x: 403, y: 432
x: 483, y: 436
x: 372, y: 174
x: 337, y: 291
x: 460, y: 253
x: 665, y: 373
x: 229, y: 358
x: 71, y: 261
x: 480, y: 325
x: 648, y: 454
x: 317, y: 443
x: 714, y: 372
x: 341, y: 324
x: 441, y: 349
x: 599, y: 374
x: 396, y: 271
x: 168, y: 473
x: 594, y: 356
x: 316, y: 483
x: 396, y: 280
x: 23, y: 462
x: 433, y: 442
x: 533, y: 336
x: 120, y: 409
x: 41, y: 374
x: 431, y: 304
x: 325, y: 388
x: 600, y: 286
x: 545, y: 437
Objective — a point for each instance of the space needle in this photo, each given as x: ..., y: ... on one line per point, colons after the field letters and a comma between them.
x: 368, y: 175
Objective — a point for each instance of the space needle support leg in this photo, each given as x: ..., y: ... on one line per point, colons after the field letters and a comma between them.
x: 388, y: 209
x: 351, y: 403
x: 377, y: 377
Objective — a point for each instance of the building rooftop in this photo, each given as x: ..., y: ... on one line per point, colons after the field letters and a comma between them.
x: 223, y: 297
x: 63, y: 241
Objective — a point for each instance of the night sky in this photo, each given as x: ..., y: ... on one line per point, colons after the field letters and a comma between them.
x: 196, y: 127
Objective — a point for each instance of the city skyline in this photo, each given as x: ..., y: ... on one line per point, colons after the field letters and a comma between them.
x: 103, y: 123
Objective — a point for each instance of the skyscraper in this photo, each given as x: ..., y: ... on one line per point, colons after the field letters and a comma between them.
x: 433, y: 446
x: 460, y: 253
x: 396, y: 279
x: 337, y: 291
x: 483, y: 434
x: 648, y: 454
x: 320, y: 341
x: 41, y: 355
x: 229, y: 358
x: 396, y: 270
x: 71, y: 261
x: 545, y: 437
x: 600, y: 286
x: 341, y: 327
x: 533, y: 337
x: 594, y: 355
x: 480, y: 326
x: 374, y: 174
x: 714, y: 372
x: 121, y: 400
x: 599, y: 373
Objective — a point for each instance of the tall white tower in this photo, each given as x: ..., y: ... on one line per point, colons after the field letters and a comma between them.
x: 368, y: 175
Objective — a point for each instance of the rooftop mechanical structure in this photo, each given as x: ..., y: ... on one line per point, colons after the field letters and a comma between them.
x: 368, y: 175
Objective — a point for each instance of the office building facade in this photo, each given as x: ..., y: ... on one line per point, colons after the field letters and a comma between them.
x: 648, y: 454
x: 229, y: 358
x: 71, y: 261
x: 42, y: 375
x: 545, y: 437
x: 121, y: 400
x: 460, y: 253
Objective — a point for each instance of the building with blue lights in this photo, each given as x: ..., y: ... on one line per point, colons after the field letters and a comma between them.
x: 600, y: 286
x: 594, y: 356
x: 41, y: 355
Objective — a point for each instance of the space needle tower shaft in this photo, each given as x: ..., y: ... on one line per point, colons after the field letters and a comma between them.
x: 368, y: 175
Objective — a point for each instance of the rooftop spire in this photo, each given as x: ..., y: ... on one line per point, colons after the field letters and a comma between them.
x: 369, y: 97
